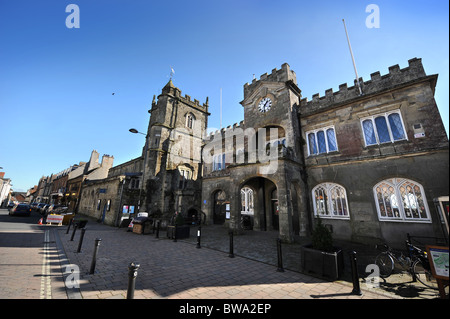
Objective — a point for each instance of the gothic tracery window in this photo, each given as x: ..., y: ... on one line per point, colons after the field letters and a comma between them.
x: 401, y: 199
x: 330, y: 201
x: 247, y: 201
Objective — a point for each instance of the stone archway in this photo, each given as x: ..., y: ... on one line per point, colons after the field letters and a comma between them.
x: 262, y: 214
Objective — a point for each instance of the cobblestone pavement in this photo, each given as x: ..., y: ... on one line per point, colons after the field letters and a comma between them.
x: 178, y: 270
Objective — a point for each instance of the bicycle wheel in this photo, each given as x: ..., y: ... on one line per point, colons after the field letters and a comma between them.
x: 385, y: 263
x: 423, y: 275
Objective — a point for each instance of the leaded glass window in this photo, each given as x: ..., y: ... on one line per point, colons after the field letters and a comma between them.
x: 321, y: 141
x: 383, y: 128
x: 330, y: 201
x: 401, y: 199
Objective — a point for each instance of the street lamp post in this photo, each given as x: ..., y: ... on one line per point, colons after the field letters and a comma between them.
x: 134, y: 131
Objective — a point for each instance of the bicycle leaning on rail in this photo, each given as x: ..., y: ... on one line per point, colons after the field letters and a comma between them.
x: 415, y: 262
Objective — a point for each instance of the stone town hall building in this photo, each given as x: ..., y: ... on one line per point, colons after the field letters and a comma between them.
x: 369, y: 165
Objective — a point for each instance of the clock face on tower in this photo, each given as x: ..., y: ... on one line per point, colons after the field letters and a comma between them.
x: 265, y: 105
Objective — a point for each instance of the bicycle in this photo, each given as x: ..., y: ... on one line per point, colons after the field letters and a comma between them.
x: 416, y: 263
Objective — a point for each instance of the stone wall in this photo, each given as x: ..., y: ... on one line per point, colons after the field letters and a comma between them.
x: 421, y: 157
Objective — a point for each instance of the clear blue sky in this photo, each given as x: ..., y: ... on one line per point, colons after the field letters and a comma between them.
x: 56, y: 83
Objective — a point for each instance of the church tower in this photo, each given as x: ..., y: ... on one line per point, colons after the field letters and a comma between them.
x: 174, y: 136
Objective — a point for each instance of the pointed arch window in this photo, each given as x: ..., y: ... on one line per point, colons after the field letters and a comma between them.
x: 185, y: 174
x: 400, y: 199
x: 330, y: 201
x: 247, y: 201
x: 190, y: 120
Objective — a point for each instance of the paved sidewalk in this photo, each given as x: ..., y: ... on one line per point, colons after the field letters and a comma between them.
x: 178, y: 270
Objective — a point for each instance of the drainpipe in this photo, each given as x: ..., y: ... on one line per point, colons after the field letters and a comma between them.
x: 119, y: 213
x: 304, y: 177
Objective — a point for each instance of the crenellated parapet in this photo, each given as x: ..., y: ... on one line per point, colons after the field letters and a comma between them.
x: 220, y: 134
x: 377, y: 83
x: 186, y: 99
x: 171, y: 90
x: 282, y: 75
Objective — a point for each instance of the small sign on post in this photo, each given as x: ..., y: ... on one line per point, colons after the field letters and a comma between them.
x: 439, y: 261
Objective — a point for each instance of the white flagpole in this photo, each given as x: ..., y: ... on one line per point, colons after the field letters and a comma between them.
x: 220, y: 108
x: 353, y: 59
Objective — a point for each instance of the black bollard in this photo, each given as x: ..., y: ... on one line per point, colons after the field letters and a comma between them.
x: 280, y: 257
x: 199, y: 234
x: 175, y: 233
x: 231, y: 255
x: 356, y: 289
x: 83, y: 230
x: 157, y: 228
x: 132, y: 274
x: 94, y: 258
x: 74, y: 230
x: 70, y: 223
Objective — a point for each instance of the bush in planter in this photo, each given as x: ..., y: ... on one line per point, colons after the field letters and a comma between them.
x: 321, y: 257
x: 322, y: 238
x: 179, y: 220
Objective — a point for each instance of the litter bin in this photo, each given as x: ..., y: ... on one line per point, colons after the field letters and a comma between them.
x: 142, y: 225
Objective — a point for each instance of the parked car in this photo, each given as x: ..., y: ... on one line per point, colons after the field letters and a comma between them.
x: 20, y: 210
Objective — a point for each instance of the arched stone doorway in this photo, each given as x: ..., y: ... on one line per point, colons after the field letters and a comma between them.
x: 259, y: 202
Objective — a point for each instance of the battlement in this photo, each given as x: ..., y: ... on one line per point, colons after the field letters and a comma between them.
x: 171, y: 89
x: 377, y: 83
x: 282, y: 75
x: 187, y: 100
x: 212, y: 135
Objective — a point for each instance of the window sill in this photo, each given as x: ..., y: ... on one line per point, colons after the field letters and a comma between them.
x: 322, y: 154
x: 337, y: 217
x: 427, y: 221
x: 399, y: 142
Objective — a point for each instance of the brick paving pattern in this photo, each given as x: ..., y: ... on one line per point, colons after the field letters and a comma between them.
x: 39, y: 266
x: 178, y: 270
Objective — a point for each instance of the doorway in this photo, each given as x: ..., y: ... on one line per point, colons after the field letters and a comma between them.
x: 219, y: 207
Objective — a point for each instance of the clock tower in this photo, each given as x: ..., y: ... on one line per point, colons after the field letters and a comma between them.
x: 272, y: 102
